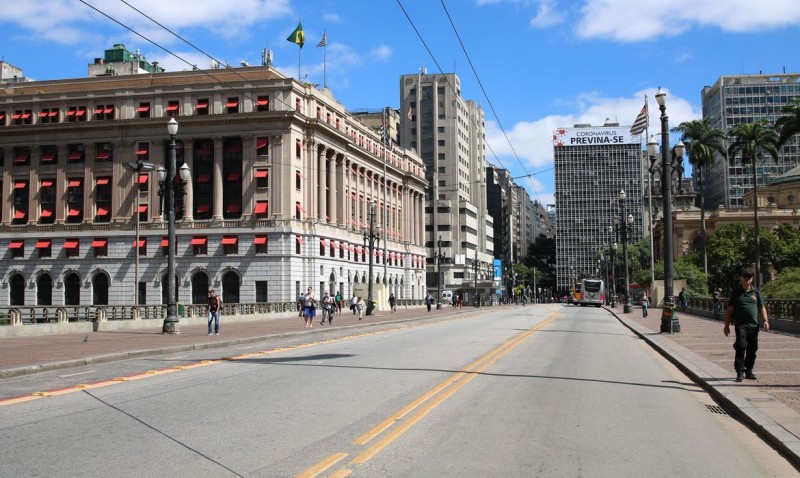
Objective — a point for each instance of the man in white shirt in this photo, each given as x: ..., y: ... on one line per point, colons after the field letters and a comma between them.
x: 309, y: 307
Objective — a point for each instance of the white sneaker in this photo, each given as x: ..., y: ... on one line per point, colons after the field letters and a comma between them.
x: 217, y: 333
x: 210, y: 333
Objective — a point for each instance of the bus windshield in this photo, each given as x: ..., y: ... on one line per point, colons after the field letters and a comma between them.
x: 592, y: 285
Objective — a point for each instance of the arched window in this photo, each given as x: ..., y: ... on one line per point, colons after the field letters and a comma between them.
x: 72, y: 289
x: 230, y: 288
x: 44, y: 290
x: 17, y: 290
x: 100, y: 289
x: 200, y: 288
x: 164, y: 292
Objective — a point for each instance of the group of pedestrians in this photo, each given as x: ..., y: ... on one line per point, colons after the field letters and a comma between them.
x: 331, y: 305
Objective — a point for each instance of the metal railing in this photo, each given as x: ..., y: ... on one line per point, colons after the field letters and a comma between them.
x: 784, y: 309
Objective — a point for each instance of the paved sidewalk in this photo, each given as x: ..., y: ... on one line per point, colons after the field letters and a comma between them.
x: 769, y: 405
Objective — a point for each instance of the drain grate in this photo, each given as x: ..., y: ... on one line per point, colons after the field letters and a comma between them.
x: 716, y: 409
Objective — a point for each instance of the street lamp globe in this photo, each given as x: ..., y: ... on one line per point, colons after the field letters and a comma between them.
x: 161, y: 174
x: 184, y: 172
x: 622, y: 194
x: 680, y: 148
x: 630, y: 219
x: 661, y: 98
x: 172, y: 127
x: 652, y: 146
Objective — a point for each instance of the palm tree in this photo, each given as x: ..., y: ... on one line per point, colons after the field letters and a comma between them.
x: 702, y: 140
x: 789, y: 122
x: 751, y: 141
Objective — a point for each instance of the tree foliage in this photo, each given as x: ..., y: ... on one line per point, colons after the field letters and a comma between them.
x: 785, y: 286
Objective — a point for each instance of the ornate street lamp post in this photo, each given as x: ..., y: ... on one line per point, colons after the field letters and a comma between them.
x: 372, y: 237
x: 168, y: 182
x: 613, y: 249
x: 625, y: 224
x: 439, y: 258
x: 669, y: 321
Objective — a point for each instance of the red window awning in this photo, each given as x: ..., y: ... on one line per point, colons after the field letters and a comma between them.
x: 80, y: 112
x: 73, y: 183
x: 26, y: 115
x: 98, y: 109
x: 102, y: 211
x: 203, y: 178
x: 53, y: 113
x: 298, y: 207
x: 43, y: 114
x: 20, y: 184
x: 48, y: 156
x: 71, y: 244
x: 17, y: 244
x: 260, y: 240
x: 232, y: 104
x: 105, y: 154
x: 230, y: 240
x: 142, y: 108
x: 204, y: 208
x: 109, y: 109
x: 173, y: 107
x: 102, y: 181
x: 299, y: 239
x: 262, y: 173
x: 262, y: 102
x: 336, y: 245
x: 43, y: 243
x: 142, y: 208
x: 74, y: 212
x: 143, y: 178
x: 165, y: 242
x: 47, y: 213
x: 202, y: 104
x: 141, y: 152
x: 21, y: 158
x: 234, y: 208
x: 71, y: 112
x: 99, y: 242
x: 20, y: 214
x: 75, y: 155
x: 261, y: 207
x: 234, y: 176
x: 261, y: 143
x: 142, y: 243
x: 199, y: 240
x: 16, y: 116
x: 323, y: 241
x: 46, y: 183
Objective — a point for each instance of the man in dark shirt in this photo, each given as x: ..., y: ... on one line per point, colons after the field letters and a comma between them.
x: 743, y: 308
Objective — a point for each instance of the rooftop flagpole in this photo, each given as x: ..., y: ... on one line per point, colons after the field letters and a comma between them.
x: 299, y: 38
x: 324, y: 44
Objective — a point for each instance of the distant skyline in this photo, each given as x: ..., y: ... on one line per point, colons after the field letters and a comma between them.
x: 543, y: 64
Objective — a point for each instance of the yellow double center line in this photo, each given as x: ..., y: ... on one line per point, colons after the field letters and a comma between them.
x: 412, y: 413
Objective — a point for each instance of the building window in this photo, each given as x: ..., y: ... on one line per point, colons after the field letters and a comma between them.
x: 200, y: 245
x: 262, y: 209
x: 44, y: 247
x: 165, y: 246
x: 143, y: 111
x: 298, y: 242
x: 202, y: 107
x: 22, y: 156
x: 49, y: 154
x: 17, y: 248
x: 47, y: 201
x: 232, y: 105
x: 297, y: 104
x: 262, y: 178
x: 262, y: 291
x: 22, y: 117
x: 48, y: 116
x: 322, y: 245
x: 298, y: 209
x: 2, y: 118
x: 298, y: 180
x: 262, y: 103
x: 230, y: 244
x: 76, y: 114
x: 440, y: 143
x: 100, y: 247
x: 74, y: 200
x: 173, y: 108
x: 232, y: 158
x: 75, y: 153
x: 72, y: 247
x: 262, y: 147
x: 105, y: 152
x: 262, y: 244
x: 20, y: 198
x: 143, y: 213
x: 143, y: 152
x: 142, y: 246
x: 298, y: 148
x: 104, y: 112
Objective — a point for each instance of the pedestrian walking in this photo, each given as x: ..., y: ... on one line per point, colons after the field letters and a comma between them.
x: 354, y: 304
x: 429, y: 301
x: 338, y: 300
x: 683, y: 298
x: 717, y: 302
x: 300, y: 304
x: 392, y: 302
x: 743, y: 308
x: 214, y: 311
x: 645, y: 305
x: 328, y: 307
x: 309, y: 308
x: 360, y: 305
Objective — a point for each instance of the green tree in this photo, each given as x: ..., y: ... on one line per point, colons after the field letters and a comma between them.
x: 683, y: 269
x: 703, y: 142
x: 752, y: 141
x: 789, y: 122
x: 729, y: 250
x: 785, y: 286
x: 542, y: 256
x: 789, y: 243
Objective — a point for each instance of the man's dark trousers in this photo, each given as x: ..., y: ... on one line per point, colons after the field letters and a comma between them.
x: 746, y: 346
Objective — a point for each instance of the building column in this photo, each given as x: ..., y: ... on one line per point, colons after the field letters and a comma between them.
x: 188, y: 200
x: 332, y: 190
x: 322, y: 185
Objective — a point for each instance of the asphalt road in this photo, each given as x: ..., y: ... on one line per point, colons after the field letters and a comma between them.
x: 546, y: 391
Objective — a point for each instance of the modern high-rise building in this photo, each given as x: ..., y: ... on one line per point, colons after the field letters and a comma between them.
x: 447, y: 132
x: 283, y: 182
x: 592, y: 165
x: 744, y: 99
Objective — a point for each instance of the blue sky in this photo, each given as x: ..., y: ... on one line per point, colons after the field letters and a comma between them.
x: 543, y: 64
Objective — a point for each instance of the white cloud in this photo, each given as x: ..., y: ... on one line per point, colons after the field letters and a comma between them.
x: 631, y: 20
x: 684, y: 57
x: 546, y: 16
x: 382, y: 52
x: 533, y: 140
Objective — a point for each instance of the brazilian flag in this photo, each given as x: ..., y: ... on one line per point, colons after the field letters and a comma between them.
x: 297, y: 35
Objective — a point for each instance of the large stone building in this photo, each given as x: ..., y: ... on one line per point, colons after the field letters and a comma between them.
x: 592, y: 166
x: 283, y: 179
x: 447, y: 132
x: 744, y: 99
